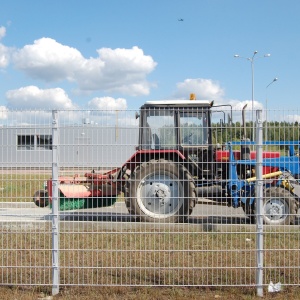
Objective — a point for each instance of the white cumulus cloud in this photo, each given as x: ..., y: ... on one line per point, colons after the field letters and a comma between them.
x: 31, y: 97
x: 203, y: 88
x: 113, y: 70
x: 4, y: 51
x: 3, y: 112
x: 48, y: 60
x: 238, y: 105
x: 290, y: 118
x: 107, y: 103
x: 2, y: 32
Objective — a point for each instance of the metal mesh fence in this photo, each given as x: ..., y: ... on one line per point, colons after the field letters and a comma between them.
x: 169, y: 197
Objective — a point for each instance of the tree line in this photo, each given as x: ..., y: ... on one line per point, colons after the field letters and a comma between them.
x: 272, y: 131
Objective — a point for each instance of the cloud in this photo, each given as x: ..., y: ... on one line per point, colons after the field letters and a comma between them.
x: 124, y: 70
x: 208, y: 89
x: 107, y: 103
x: 238, y: 105
x: 203, y: 88
x: 2, y: 32
x: 3, y: 113
x: 48, y: 60
x: 4, y: 51
x: 114, y: 70
x: 289, y: 118
x: 31, y: 97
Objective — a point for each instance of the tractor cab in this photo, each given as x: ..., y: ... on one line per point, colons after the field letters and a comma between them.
x: 175, y: 125
x: 179, y: 125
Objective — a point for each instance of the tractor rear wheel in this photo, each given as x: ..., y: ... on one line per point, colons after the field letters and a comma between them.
x: 279, y: 207
x: 160, y: 191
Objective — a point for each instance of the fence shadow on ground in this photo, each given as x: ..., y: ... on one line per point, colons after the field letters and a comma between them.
x: 123, y: 217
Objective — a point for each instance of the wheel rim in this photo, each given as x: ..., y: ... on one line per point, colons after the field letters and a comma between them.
x: 276, y: 210
x: 160, y: 195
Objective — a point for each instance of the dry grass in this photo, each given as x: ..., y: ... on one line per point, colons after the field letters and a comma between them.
x: 145, y: 293
x: 110, y: 262
x: 139, y: 264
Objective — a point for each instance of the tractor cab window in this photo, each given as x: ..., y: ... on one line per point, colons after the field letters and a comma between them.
x: 158, y: 130
x: 193, y: 128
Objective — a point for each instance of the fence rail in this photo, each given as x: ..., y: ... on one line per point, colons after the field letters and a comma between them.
x: 187, y: 200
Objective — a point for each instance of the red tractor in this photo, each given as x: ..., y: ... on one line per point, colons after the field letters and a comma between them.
x: 176, y: 163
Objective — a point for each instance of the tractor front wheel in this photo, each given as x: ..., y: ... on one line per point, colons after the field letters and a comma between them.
x: 160, y: 191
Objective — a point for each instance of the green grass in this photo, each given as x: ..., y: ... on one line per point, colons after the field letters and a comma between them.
x: 20, y: 187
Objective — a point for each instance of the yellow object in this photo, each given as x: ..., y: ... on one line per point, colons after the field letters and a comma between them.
x: 192, y: 96
x: 286, y: 184
x: 266, y: 176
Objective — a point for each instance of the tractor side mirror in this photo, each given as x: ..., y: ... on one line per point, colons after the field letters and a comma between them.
x: 137, y: 115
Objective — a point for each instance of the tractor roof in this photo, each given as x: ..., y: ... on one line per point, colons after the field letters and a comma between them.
x: 178, y: 103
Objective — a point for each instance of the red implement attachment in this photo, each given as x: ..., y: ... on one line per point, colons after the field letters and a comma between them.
x: 90, y: 185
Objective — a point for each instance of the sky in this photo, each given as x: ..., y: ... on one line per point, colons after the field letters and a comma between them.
x: 117, y: 54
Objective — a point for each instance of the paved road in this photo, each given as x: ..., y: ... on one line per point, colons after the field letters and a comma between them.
x: 29, y: 212
x: 202, y: 213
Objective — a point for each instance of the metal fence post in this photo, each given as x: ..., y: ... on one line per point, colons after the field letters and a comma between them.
x: 259, y: 203
x: 55, y: 211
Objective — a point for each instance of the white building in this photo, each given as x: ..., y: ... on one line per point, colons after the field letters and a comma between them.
x: 85, y: 145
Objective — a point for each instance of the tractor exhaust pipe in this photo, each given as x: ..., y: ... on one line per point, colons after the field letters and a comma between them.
x: 245, y: 149
x: 244, y: 122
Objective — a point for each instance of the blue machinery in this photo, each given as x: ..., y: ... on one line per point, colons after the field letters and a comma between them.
x: 244, y: 189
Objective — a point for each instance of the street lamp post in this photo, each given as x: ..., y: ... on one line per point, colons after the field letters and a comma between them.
x: 251, y: 59
x: 266, y: 127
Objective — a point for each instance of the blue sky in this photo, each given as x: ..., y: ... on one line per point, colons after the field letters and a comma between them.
x: 118, y: 54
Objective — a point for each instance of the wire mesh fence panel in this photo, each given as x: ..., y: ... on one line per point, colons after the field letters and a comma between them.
x: 25, y: 227
x: 163, y: 197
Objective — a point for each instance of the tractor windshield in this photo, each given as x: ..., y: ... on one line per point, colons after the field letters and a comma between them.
x: 193, y: 128
x: 159, y: 129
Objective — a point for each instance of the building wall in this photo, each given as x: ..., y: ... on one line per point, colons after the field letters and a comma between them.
x: 84, y: 145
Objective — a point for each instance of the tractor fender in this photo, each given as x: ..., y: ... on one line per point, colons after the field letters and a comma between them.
x: 142, y: 156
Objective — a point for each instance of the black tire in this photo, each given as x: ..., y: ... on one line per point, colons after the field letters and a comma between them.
x: 40, y: 198
x: 279, y: 207
x: 249, y: 212
x: 160, y: 191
